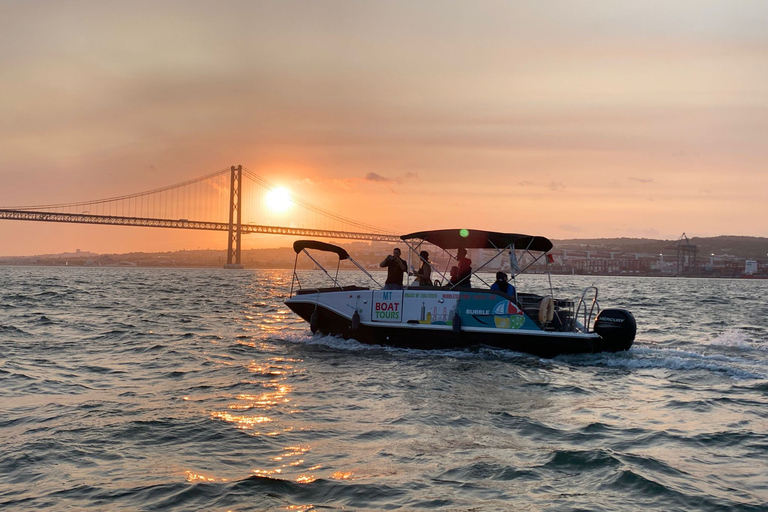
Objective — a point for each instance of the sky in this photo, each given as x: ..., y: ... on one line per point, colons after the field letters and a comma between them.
x: 567, y: 119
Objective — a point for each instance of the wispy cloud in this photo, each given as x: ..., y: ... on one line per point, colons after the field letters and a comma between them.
x: 376, y: 177
x: 556, y: 185
x: 373, y: 176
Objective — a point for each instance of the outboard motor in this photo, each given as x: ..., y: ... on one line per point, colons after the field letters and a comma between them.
x: 617, y: 328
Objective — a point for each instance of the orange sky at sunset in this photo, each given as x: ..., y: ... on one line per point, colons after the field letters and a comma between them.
x: 568, y: 119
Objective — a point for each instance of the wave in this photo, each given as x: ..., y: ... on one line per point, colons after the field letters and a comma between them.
x: 12, y: 329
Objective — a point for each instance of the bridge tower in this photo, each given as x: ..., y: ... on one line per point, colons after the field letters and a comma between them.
x: 235, y: 217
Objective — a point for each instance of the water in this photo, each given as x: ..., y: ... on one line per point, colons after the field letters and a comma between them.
x: 160, y: 389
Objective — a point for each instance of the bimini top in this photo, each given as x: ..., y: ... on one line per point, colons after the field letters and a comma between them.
x: 300, y: 245
x: 476, y: 239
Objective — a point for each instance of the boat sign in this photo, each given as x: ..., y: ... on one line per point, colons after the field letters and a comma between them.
x: 387, y: 306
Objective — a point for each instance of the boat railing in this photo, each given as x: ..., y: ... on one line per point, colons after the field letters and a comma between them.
x: 588, y: 295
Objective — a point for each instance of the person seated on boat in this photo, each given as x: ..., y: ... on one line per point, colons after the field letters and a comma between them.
x: 502, y: 285
x: 424, y: 274
x: 396, y: 268
x: 465, y: 269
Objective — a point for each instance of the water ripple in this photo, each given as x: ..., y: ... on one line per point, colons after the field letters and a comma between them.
x: 153, y: 389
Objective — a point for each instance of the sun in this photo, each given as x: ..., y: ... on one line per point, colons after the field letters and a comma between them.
x: 278, y: 199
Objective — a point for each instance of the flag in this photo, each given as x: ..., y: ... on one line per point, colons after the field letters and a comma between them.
x: 550, y: 258
x: 513, y: 266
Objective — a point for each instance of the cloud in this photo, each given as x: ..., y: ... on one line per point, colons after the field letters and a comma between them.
x: 372, y: 176
x: 376, y: 177
x: 556, y: 185
x: 641, y: 180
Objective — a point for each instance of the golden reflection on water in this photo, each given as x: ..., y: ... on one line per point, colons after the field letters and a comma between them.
x: 191, y: 476
x: 242, y: 422
x: 277, y: 368
x: 263, y: 319
x: 267, y: 472
x: 260, y: 346
x: 277, y: 396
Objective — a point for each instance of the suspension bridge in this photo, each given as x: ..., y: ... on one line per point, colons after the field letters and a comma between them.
x: 228, y: 200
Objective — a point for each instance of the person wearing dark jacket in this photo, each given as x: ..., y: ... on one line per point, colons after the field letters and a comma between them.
x: 465, y: 269
x: 502, y: 284
x: 396, y: 268
x: 424, y: 274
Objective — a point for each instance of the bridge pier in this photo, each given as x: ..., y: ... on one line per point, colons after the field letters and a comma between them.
x: 235, y: 217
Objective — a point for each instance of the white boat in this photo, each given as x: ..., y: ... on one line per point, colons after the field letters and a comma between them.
x: 450, y: 315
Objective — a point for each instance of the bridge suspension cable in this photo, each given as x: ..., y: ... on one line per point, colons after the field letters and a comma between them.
x: 357, y: 225
x: 220, y: 172
x: 204, y: 203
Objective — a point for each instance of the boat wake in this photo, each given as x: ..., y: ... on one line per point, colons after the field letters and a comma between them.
x: 736, y: 367
x: 737, y: 339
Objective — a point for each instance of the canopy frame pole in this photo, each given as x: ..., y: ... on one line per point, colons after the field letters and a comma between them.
x: 295, y: 277
x: 415, y: 249
x: 535, y: 259
x: 323, y: 268
x: 364, y: 271
x: 499, y: 252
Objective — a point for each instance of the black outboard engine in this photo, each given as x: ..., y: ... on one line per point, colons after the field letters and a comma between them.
x: 617, y: 328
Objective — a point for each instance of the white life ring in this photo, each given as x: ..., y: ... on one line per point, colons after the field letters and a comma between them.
x: 546, y: 310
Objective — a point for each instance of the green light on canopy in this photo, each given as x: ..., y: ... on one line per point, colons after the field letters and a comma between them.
x: 464, y: 233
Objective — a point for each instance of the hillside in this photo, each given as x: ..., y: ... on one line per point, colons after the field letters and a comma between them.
x: 738, y: 246
x: 370, y: 254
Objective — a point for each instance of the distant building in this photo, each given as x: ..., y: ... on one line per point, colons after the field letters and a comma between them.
x: 750, y: 267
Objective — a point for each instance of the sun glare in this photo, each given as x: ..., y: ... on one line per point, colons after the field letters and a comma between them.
x: 278, y: 199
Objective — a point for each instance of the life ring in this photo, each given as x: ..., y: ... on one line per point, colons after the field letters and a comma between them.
x: 546, y: 310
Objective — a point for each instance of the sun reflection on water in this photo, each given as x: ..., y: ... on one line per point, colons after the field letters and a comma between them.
x: 300, y: 507
x: 290, y: 462
x: 267, y: 472
x: 242, y: 422
x: 191, y: 476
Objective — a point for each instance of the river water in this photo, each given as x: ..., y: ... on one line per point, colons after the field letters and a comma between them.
x: 192, y: 389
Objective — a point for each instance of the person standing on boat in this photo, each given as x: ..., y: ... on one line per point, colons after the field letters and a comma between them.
x: 465, y: 269
x: 424, y: 274
x: 396, y: 268
x: 454, y: 276
x: 502, y: 285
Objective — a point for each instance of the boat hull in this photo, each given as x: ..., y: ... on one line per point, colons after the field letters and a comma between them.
x: 333, y: 314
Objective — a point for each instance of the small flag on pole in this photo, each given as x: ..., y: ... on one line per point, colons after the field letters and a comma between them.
x: 550, y: 258
x: 513, y: 266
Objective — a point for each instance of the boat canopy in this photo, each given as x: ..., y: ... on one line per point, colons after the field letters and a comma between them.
x: 477, y: 239
x: 300, y: 245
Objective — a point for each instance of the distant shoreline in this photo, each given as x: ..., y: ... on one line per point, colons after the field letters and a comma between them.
x: 715, y: 257
x: 250, y: 268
